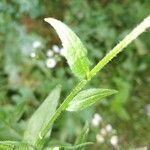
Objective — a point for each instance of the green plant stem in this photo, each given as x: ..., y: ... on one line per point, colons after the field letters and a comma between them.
x: 118, y: 48
x: 62, y: 107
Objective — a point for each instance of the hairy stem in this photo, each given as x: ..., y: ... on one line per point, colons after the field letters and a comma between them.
x: 118, y: 48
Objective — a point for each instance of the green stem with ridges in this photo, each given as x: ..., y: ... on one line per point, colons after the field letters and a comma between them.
x: 117, y: 49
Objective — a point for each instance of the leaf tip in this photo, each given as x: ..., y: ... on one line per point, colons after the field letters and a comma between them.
x: 51, y: 20
x: 47, y: 19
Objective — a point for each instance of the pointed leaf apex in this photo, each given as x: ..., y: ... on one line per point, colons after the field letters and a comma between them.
x: 74, y: 50
x: 87, y: 98
x: 48, y: 19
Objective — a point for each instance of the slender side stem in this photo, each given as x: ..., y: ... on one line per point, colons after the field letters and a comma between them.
x: 118, y: 48
x: 62, y: 107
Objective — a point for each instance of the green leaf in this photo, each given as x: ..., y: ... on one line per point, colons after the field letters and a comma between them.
x: 41, y: 117
x: 88, y: 97
x: 17, y: 112
x: 74, y: 51
x: 83, y: 136
x: 8, y: 133
x: 11, y: 145
x: 6, y: 146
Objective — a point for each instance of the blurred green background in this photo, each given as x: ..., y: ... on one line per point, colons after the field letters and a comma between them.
x: 28, y: 74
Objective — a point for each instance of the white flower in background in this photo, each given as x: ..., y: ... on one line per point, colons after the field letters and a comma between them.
x: 114, y: 140
x: 51, y: 63
x: 147, y: 109
x: 108, y: 128
x: 49, y: 53
x: 36, y: 44
x: 96, y: 120
x: 62, y: 52
x: 103, y: 131
x: 32, y: 54
x: 97, y: 117
x: 100, y: 138
x: 56, y: 49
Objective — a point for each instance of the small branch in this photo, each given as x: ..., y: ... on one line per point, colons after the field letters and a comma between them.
x: 62, y: 107
x: 118, y: 48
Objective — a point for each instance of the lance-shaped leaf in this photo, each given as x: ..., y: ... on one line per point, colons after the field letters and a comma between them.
x: 6, y: 146
x: 88, y: 97
x: 17, y: 112
x: 17, y: 145
x: 41, y: 117
x: 74, y: 51
x: 82, y: 137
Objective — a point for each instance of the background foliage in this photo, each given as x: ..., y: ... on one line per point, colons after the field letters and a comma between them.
x: 25, y: 82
